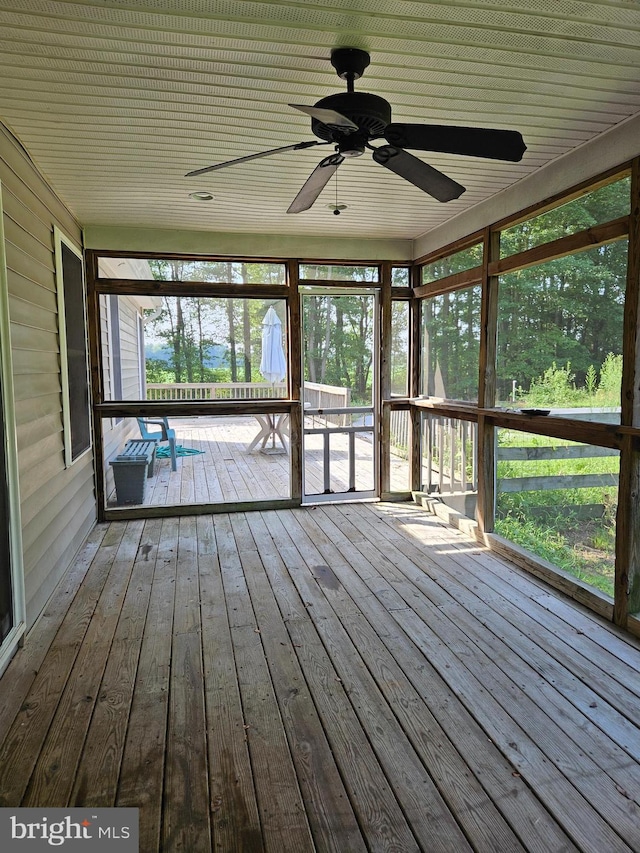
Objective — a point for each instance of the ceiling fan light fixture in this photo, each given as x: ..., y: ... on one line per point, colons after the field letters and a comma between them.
x: 349, y: 150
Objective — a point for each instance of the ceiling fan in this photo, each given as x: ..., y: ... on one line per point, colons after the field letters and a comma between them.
x: 351, y: 120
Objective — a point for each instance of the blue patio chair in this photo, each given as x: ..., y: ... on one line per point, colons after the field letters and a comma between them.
x: 164, y: 433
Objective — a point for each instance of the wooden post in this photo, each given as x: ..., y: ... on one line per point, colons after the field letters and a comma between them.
x: 296, y: 419
x: 627, y: 572
x: 384, y: 385
x: 487, y: 386
x: 97, y: 378
x: 415, y: 444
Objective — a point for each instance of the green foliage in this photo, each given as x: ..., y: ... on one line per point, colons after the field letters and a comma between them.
x: 549, y: 522
x: 591, y: 380
x: 611, y: 378
x: 556, y: 546
x: 556, y: 387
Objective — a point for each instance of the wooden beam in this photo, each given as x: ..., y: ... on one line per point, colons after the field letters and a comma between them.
x: 486, y: 449
x: 197, y: 509
x: 150, y: 287
x: 97, y: 374
x: 451, y: 248
x: 294, y: 328
x: 627, y: 571
x: 578, y: 190
x: 415, y: 418
x: 191, y: 408
x: 598, y: 235
x: 384, y: 389
x: 587, y: 432
x: 456, y: 281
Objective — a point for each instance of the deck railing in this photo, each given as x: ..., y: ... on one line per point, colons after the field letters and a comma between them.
x: 215, y: 390
x: 449, y: 457
x: 316, y: 395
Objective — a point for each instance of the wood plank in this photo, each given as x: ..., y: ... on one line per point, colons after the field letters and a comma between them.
x: 234, y: 810
x: 584, y: 633
x: 283, y: 818
x: 575, y: 763
x: 597, y: 235
x: 627, y: 572
x: 98, y: 771
x: 443, y: 715
x: 152, y: 287
x: 332, y: 821
x: 52, y: 780
x: 380, y: 817
x: 557, y: 481
x: 473, y: 810
x: 186, y: 808
x: 449, y: 283
x: 565, y: 667
x: 556, y: 451
x: 19, y: 678
x: 427, y: 814
x: 24, y: 740
x: 519, y: 706
x: 186, y: 818
x: 142, y: 769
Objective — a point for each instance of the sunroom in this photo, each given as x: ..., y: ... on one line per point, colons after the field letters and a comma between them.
x: 320, y: 532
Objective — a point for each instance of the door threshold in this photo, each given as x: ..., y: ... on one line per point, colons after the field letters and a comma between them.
x: 340, y: 498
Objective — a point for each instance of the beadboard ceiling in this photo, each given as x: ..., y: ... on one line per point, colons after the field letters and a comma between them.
x: 115, y: 100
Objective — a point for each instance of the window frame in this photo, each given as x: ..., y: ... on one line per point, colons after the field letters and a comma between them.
x: 61, y: 240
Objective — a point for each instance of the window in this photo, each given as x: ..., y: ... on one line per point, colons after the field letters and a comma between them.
x: 558, y: 500
x: 211, y: 271
x: 451, y: 344
x: 399, y: 348
x: 560, y: 334
x: 594, y: 208
x: 325, y: 272
x: 73, y: 349
x: 196, y: 348
x: 461, y: 261
x: 400, y: 277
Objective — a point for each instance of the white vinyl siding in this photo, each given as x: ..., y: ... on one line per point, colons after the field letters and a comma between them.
x: 57, y: 503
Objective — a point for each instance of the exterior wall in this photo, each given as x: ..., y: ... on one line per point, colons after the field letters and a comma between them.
x: 57, y: 503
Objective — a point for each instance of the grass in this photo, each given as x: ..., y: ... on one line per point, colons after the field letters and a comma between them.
x: 549, y: 522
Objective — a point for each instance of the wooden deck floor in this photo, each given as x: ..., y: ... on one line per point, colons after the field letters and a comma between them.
x: 225, y: 471
x: 345, y: 678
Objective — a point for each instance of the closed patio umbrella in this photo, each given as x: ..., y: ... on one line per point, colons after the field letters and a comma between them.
x: 273, y: 365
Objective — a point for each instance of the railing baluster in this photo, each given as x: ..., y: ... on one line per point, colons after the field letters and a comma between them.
x: 352, y: 461
x: 327, y: 462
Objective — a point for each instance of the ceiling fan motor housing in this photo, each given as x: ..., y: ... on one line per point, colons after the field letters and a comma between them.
x: 370, y: 112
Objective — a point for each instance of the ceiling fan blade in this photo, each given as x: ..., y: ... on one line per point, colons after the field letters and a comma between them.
x: 418, y: 173
x: 328, y: 117
x: 246, y: 159
x: 315, y: 183
x: 448, y: 139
